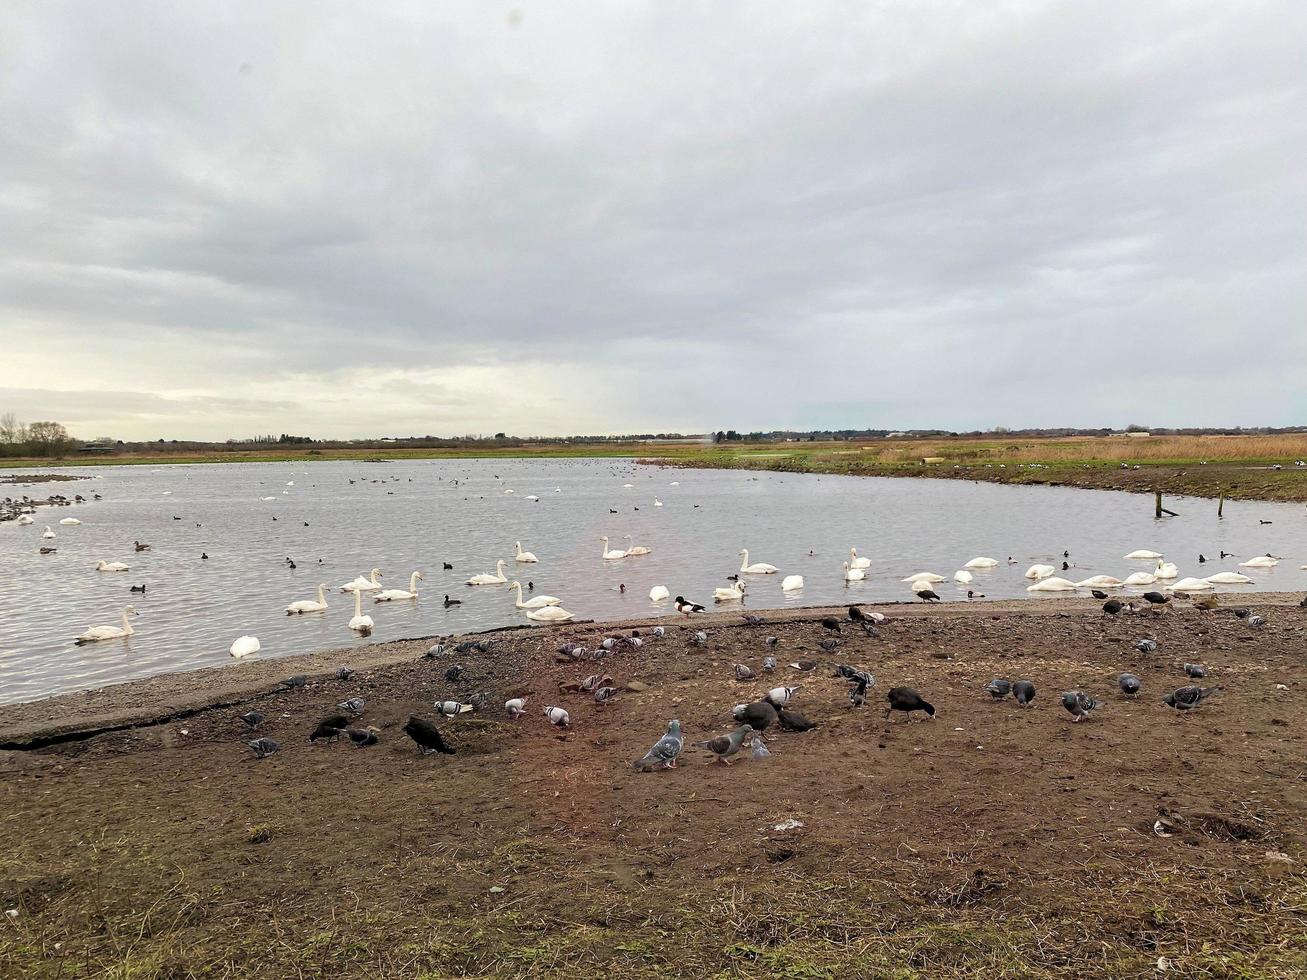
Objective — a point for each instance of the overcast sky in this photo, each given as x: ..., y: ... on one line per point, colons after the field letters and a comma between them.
x: 348, y: 219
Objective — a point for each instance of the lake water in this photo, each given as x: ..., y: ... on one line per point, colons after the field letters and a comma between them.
x: 416, y: 515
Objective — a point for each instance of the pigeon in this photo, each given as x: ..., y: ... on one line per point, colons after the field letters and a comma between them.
x: 685, y: 607
x: 1113, y: 606
x: 804, y: 666
x: 1255, y: 621
x: 363, y: 737
x: 263, y: 747
x: 478, y: 700
x: 907, y: 700
x: 353, y: 705
x: 659, y: 632
x: 454, y: 673
x: 1129, y: 684
x: 724, y: 746
x: 699, y: 639
x: 298, y: 680
x: 451, y: 709
x: 779, y: 697
x: 758, y: 750
x: 744, y: 673
x: 858, y: 693
x: 558, y: 717
x: 330, y: 727
x: 999, y: 688
x: 1079, y: 704
x: 1098, y: 593
x: 865, y: 618
x: 1195, y: 671
x: 829, y: 644
x: 1240, y: 613
x: 831, y: 623
x: 608, y: 643
x: 427, y: 736
x: 593, y: 683
x: 1145, y: 645
x: 1188, y: 698
x: 1024, y: 692
x: 927, y: 595
x: 344, y: 673
x: 1303, y: 603
x: 752, y: 620
x: 515, y: 707
x: 845, y: 671
x: 605, y: 694
x: 794, y: 721
x: 254, y: 718
x: 434, y: 652
x: 1157, y: 598
x: 665, y: 751
x: 772, y: 641
x: 768, y: 664
x: 758, y: 715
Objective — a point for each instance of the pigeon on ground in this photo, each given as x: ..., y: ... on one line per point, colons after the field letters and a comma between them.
x: 794, y: 721
x: 999, y: 688
x: 1255, y: 621
x: 699, y: 639
x: 758, y: 750
x: 451, y: 709
x: 297, y: 680
x: 665, y: 751
x: 772, y: 641
x: 1024, y: 692
x: 743, y: 672
x: 829, y: 644
x: 752, y: 620
x: 1129, y: 684
x: 344, y: 674
x: 515, y: 707
x: 594, y: 682
x: 1195, y: 671
x: 254, y: 718
x: 1145, y: 645
x: 907, y: 700
x: 427, y: 736
x: 659, y: 632
x: 769, y: 664
x: 558, y: 717
x: 758, y: 715
x: 779, y: 697
x: 363, y: 737
x: 1079, y: 704
x: 858, y: 693
x: 724, y: 746
x: 330, y: 727
x: 454, y: 673
x: 605, y: 694
x: 1188, y: 698
x: 858, y: 615
x: 831, y: 623
x: 434, y: 652
x: 263, y: 747
x: 1240, y: 613
x: 804, y: 665
x: 353, y: 705
x: 478, y: 700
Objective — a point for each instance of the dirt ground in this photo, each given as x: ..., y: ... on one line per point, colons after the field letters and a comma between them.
x: 993, y: 841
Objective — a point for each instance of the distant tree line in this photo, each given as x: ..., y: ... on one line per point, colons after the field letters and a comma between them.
x: 34, y: 438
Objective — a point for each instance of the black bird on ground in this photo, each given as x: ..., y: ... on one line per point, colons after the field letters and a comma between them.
x: 1129, y: 684
x: 758, y: 715
x: 907, y: 700
x: 1098, y: 593
x: 794, y: 721
x: 1113, y: 606
x: 427, y: 736
x: 858, y: 692
x: 831, y: 623
x: 1188, y: 698
x: 332, y: 727
x: 927, y: 595
x: 1024, y: 691
x: 362, y: 737
x: 1195, y: 671
x: 1157, y: 598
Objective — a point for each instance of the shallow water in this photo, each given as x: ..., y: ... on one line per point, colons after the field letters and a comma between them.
x: 414, y: 515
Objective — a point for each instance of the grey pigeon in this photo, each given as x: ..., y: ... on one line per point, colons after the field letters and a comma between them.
x: 353, y: 705
x: 665, y: 751
x: 1240, y: 613
x: 999, y: 688
x: 858, y: 692
x: 254, y: 718
x: 1145, y: 645
x: 1256, y: 621
x: 659, y: 632
x: 344, y: 673
x: 558, y: 717
x: 454, y: 673
x: 635, y: 643
x: 724, y: 746
x: 608, y: 643
x: 744, y: 673
x: 605, y: 694
x: 362, y: 737
x: 758, y: 750
x: 772, y: 641
x: 758, y: 715
x: 1195, y: 671
x: 592, y: 683
x: 515, y: 707
x: 1024, y: 691
x: 450, y: 709
x: 1079, y: 704
x: 829, y: 644
x: 434, y: 652
x: 769, y: 663
x: 699, y: 638
x: 263, y: 747
x: 1130, y: 684
x: 1188, y: 698
x: 297, y: 680
x: 478, y: 700
x: 752, y: 620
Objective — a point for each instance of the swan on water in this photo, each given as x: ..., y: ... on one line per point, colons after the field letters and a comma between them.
x: 1228, y: 578
x: 924, y: 577
x: 792, y: 583
x: 47, y: 533
x: 758, y: 568
x: 657, y: 502
x: 308, y: 605
x: 853, y: 574
x: 535, y: 602
x: 393, y: 595
x: 633, y: 550
x: 1052, y: 584
x: 1261, y: 561
x: 1100, y: 582
x: 244, y: 646
x: 70, y: 521
x: 1140, y: 578
x: 549, y: 614
x: 486, y: 579
x: 25, y: 519
x: 524, y: 555
x: 981, y: 562
x: 611, y: 554
x: 1039, y: 571
x: 111, y: 566
x: 658, y: 593
x: 963, y: 576
x: 733, y: 594
x: 96, y: 633
x: 506, y: 492
x: 856, y: 562
x: 531, y: 496
x: 1166, y: 569
x: 360, y: 623
x: 1192, y: 585
x: 1143, y: 554
x: 362, y: 584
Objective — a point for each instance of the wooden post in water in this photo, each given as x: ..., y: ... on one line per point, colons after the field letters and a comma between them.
x: 1158, y: 494
x: 1220, y: 504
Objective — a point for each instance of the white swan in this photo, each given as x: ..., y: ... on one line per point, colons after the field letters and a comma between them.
x: 1261, y: 561
x: 1228, y: 578
x: 360, y: 623
x: 535, y: 602
x: 524, y: 555
x: 633, y: 550
x: 96, y: 633
x: 981, y: 562
x: 361, y: 584
x: 1140, y: 578
x: 507, y: 492
x: 244, y: 646
x: 792, y: 583
x: 47, y: 533
x: 25, y: 519
x: 611, y: 554
x: 853, y: 574
x: 1052, y: 584
x: 733, y: 594
x: 963, y: 577
x: 308, y: 605
x: 658, y: 593
x: 393, y: 595
x: 486, y: 579
x: 1143, y: 554
x: 549, y: 614
x: 1039, y: 571
x: 1192, y: 585
x: 70, y: 521
x: 856, y: 562
x: 531, y: 496
x: 111, y: 566
x: 928, y: 577
x: 657, y: 502
x: 1100, y: 582
x: 1166, y: 569
x: 758, y: 568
